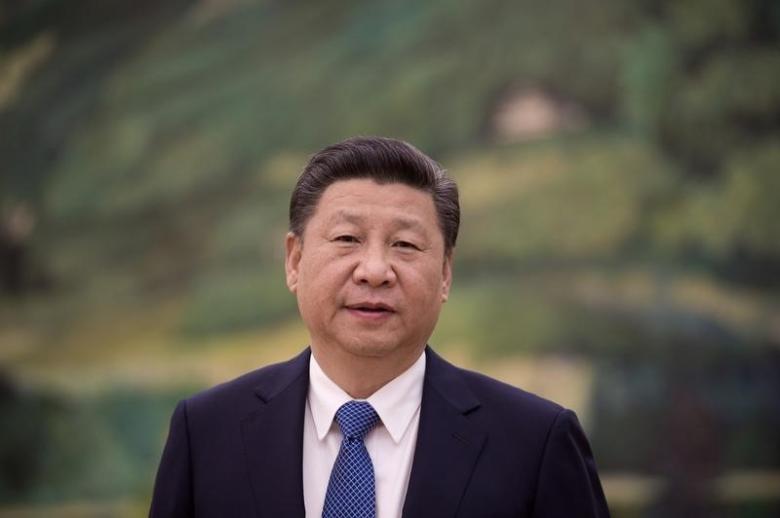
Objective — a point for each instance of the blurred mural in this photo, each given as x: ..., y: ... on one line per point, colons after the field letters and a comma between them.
x: 619, y: 164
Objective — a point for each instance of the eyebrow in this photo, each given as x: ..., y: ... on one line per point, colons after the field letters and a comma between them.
x: 356, y: 219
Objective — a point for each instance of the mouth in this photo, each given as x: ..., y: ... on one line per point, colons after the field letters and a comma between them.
x: 371, y: 308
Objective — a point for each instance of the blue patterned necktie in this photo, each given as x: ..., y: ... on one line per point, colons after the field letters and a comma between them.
x: 351, y: 488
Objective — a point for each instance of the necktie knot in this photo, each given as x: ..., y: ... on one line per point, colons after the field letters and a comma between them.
x: 356, y: 419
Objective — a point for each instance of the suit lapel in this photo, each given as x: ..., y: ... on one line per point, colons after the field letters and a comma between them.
x: 273, y: 438
x: 448, y: 444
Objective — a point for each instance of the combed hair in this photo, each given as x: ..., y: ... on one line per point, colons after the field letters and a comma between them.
x: 383, y: 160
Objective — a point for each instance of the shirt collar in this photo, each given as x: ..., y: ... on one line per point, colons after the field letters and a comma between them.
x: 396, y: 402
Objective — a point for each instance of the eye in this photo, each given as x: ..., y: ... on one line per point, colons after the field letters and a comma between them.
x: 406, y: 244
x: 346, y: 238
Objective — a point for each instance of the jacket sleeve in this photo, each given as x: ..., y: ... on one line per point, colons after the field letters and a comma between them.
x: 568, y: 484
x: 173, y: 487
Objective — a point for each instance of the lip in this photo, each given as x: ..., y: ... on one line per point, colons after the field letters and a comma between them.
x: 370, y: 310
x: 371, y: 306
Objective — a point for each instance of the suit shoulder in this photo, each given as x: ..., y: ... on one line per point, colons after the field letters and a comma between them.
x: 513, y: 404
x: 248, y: 387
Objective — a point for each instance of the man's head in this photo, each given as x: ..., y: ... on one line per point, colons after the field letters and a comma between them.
x: 369, y: 255
x: 383, y: 160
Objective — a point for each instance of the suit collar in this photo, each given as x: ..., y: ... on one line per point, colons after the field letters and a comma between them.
x: 273, y: 438
x: 446, y: 378
x: 448, y: 443
x: 282, y: 376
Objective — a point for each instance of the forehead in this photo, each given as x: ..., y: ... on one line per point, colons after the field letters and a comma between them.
x: 364, y: 200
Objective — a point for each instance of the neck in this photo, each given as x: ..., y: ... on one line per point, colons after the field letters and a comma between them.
x: 360, y: 376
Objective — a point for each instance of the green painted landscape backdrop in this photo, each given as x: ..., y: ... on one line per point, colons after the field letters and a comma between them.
x: 619, y: 166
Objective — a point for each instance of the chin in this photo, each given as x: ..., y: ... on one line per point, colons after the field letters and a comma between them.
x: 373, y: 348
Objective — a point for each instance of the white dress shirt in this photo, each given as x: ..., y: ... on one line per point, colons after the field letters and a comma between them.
x: 390, y: 444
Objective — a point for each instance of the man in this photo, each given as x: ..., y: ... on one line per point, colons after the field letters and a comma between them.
x: 369, y: 421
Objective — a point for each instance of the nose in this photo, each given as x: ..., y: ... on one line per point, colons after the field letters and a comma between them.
x: 374, y: 269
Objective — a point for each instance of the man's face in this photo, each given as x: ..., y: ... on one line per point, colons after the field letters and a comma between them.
x: 370, y: 273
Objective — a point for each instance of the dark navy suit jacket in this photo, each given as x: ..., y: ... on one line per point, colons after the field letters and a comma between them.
x: 484, y: 449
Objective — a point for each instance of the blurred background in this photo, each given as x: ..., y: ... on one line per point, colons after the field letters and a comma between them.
x: 619, y: 166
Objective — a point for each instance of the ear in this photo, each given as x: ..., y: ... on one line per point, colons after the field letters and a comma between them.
x: 446, y: 277
x: 292, y: 259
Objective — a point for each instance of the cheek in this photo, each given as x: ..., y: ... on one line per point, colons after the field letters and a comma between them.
x: 322, y: 280
x: 428, y: 277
